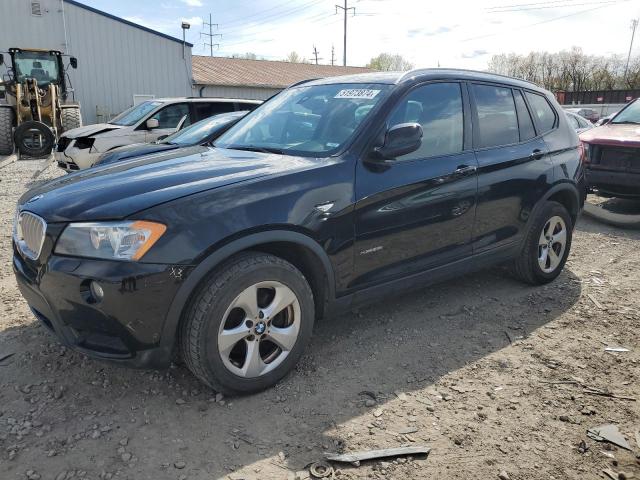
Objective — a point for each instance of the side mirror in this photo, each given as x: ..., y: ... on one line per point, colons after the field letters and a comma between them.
x: 400, y: 139
x: 1, y: 59
x: 152, y: 123
x: 74, y: 62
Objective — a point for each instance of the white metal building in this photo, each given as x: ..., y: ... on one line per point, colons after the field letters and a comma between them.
x: 117, y: 59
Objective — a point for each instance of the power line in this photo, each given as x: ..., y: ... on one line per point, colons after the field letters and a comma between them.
x: 210, y: 35
x: 555, y: 6
x: 528, y: 4
x: 346, y: 9
x: 539, y: 23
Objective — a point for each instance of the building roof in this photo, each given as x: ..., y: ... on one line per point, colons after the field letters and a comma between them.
x: 126, y: 22
x: 239, y: 72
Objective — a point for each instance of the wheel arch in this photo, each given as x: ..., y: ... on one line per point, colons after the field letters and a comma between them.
x: 567, y: 195
x: 297, y: 248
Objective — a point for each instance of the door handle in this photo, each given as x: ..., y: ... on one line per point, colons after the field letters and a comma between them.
x: 537, y: 154
x: 463, y: 170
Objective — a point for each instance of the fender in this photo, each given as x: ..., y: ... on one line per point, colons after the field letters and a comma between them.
x: 564, y: 186
x: 188, y: 287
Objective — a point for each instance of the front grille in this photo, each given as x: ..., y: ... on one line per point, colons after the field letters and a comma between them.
x: 30, y: 231
x: 619, y: 158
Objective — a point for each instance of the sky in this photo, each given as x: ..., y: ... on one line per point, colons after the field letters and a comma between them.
x: 449, y: 33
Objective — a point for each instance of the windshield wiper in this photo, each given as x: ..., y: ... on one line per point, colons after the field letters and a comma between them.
x: 252, y: 148
x: 625, y: 121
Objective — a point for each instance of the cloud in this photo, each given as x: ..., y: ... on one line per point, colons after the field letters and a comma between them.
x: 193, y: 3
x: 193, y: 21
x: 475, y: 53
x: 414, y: 32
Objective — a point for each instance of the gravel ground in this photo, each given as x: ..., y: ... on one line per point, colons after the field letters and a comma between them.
x: 462, y: 367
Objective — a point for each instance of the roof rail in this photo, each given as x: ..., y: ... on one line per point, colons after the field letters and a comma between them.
x: 420, y: 70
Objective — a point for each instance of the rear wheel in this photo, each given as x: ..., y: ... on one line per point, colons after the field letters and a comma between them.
x: 6, y: 131
x: 71, y: 118
x: 547, y: 245
x: 249, y: 324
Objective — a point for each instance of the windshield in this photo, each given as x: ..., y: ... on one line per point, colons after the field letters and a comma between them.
x: 631, y: 114
x: 200, y: 131
x: 39, y: 65
x: 134, y: 114
x: 307, y: 120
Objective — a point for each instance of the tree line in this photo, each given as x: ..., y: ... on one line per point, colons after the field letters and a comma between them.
x: 570, y: 71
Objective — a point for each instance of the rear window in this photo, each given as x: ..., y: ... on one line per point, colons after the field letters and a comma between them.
x: 497, y: 120
x: 542, y: 111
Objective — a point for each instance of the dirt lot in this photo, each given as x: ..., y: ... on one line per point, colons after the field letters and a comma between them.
x: 462, y: 366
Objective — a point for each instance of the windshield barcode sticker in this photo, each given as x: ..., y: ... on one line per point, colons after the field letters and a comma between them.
x: 357, y: 93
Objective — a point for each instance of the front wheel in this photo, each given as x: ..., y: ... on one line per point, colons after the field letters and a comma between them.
x: 547, y: 245
x: 248, y: 325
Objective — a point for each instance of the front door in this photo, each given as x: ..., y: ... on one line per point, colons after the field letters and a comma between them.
x: 168, y: 118
x: 417, y: 211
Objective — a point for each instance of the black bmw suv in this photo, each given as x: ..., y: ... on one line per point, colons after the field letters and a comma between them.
x: 331, y: 194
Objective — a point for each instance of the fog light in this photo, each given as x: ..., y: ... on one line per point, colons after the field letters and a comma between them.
x: 96, y: 291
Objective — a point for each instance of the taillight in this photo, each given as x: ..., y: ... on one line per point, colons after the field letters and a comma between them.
x: 583, y: 148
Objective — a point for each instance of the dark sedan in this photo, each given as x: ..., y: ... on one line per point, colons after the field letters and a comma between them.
x: 200, y: 133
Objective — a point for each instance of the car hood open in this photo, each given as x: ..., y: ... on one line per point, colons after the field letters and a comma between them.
x: 619, y: 135
x: 91, y: 130
x: 118, y: 190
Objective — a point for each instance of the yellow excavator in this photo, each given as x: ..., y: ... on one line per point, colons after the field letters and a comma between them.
x: 35, y: 103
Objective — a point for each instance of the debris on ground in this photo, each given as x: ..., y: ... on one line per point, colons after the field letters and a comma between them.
x: 321, y: 470
x: 608, y: 433
x: 357, y: 457
x: 616, y: 349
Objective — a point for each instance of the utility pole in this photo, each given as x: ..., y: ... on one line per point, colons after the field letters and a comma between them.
x: 346, y: 9
x: 210, y: 35
x: 315, y: 54
x: 634, y: 24
x: 333, y: 55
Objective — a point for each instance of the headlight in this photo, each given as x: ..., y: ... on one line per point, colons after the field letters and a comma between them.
x: 128, y: 240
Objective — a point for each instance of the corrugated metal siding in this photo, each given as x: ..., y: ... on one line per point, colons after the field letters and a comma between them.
x: 221, y: 91
x: 115, y: 60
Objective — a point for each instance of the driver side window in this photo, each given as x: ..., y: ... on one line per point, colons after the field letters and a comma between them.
x: 170, y: 116
x: 438, y: 108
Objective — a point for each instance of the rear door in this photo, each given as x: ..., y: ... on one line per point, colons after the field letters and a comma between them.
x: 514, y: 168
x: 416, y: 211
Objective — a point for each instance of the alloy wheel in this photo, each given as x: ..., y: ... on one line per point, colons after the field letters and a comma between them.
x: 552, y: 244
x: 259, y: 329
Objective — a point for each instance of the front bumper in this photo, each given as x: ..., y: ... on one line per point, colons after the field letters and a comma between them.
x: 73, y: 159
x: 616, y: 183
x: 126, y: 326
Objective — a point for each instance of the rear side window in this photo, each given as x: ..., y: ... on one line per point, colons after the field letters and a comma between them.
x: 545, y: 116
x: 573, y: 121
x: 497, y: 120
x: 206, y: 109
x: 525, y: 123
x: 438, y: 108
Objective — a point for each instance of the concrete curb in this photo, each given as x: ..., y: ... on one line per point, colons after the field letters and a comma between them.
x: 6, y: 161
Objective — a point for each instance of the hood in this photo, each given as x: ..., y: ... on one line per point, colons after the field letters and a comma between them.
x: 90, y: 130
x: 119, y: 190
x: 132, y: 151
x: 620, y: 135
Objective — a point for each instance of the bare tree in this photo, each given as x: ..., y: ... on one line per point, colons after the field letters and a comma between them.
x: 387, y: 62
x: 570, y: 70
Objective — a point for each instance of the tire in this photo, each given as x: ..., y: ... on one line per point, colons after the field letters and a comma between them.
x: 529, y: 266
x: 222, y: 329
x: 6, y: 131
x: 70, y: 118
x: 23, y: 135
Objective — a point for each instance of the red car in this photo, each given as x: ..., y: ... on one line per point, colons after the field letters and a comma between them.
x: 612, y: 154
